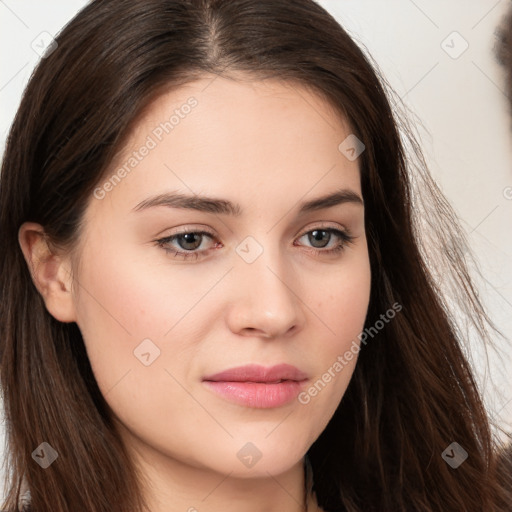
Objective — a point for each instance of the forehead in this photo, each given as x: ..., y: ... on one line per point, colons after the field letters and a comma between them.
x: 217, y: 111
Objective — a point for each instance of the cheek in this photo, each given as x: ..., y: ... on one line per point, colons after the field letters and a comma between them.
x: 123, y: 317
x: 124, y: 310
x: 342, y: 300
x: 341, y: 304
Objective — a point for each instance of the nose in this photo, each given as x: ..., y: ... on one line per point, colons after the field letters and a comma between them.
x: 266, y: 300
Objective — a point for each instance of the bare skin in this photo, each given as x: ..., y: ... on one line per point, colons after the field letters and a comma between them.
x: 268, y: 147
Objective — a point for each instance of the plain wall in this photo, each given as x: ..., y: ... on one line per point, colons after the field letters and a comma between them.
x: 457, y: 92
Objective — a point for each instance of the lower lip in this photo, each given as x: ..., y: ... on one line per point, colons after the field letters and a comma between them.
x: 258, y: 394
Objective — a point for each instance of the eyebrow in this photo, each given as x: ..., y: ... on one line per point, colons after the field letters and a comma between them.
x: 225, y: 207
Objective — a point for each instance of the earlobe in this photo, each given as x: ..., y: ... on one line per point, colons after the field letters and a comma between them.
x: 51, y: 272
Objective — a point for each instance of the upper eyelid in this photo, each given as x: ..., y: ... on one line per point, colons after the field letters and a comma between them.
x: 213, y: 235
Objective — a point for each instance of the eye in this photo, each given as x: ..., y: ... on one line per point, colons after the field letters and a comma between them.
x: 321, y: 237
x: 185, y: 244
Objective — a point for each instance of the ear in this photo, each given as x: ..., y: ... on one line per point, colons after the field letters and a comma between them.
x: 50, y: 272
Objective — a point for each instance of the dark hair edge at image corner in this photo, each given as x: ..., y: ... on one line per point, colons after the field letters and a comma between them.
x: 503, y: 53
x: 412, y: 392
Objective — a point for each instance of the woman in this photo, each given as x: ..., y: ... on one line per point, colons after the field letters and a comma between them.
x: 215, y: 294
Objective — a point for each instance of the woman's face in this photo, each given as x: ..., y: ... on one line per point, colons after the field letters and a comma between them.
x: 263, y: 285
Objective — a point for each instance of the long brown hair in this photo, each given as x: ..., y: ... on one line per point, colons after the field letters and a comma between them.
x: 413, y: 392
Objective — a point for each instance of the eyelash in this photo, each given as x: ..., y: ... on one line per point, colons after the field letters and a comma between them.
x: 344, y: 235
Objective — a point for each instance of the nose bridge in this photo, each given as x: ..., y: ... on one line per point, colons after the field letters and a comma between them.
x: 266, y: 299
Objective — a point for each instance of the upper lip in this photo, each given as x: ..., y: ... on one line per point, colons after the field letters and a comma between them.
x: 258, y: 373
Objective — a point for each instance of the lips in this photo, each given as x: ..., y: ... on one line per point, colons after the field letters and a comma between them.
x: 257, y: 386
x: 257, y: 373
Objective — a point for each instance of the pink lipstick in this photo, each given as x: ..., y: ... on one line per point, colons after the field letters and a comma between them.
x: 258, y: 386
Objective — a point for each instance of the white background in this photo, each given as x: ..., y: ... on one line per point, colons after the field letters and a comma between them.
x: 461, y: 102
